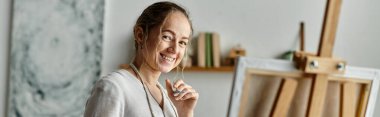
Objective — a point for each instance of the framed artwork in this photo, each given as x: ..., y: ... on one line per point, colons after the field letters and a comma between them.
x: 268, y: 87
x: 56, y: 53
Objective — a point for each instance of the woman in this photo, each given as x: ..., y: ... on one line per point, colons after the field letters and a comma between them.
x: 162, y: 34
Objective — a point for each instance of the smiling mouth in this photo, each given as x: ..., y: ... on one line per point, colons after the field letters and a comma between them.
x: 170, y: 59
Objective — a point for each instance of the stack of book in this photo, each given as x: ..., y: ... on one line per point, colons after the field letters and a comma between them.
x: 209, y: 50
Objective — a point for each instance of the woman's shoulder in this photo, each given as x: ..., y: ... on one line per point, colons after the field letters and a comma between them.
x: 116, y: 79
x: 120, y: 73
x: 106, y: 95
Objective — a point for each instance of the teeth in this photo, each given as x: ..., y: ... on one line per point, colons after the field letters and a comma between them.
x: 167, y: 58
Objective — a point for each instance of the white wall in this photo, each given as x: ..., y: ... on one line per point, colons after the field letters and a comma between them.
x: 266, y: 28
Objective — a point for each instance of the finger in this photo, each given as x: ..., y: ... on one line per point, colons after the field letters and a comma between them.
x: 179, y: 92
x: 177, y: 83
x: 183, y: 86
x: 192, y: 95
x: 183, y: 93
x: 169, y: 88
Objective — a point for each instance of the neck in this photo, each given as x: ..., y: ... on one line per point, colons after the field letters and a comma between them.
x: 148, y: 74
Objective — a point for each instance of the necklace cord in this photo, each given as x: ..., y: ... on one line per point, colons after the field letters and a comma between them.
x: 142, y: 82
x: 146, y: 93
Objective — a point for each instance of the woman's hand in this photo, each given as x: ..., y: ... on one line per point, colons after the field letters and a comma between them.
x: 185, y: 100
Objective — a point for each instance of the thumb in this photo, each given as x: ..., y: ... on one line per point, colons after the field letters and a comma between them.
x: 169, y: 88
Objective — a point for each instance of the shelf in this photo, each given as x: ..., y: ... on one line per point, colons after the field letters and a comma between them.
x: 203, y: 69
x: 199, y: 69
x: 123, y: 66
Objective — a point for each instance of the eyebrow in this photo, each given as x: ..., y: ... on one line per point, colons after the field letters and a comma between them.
x: 166, y: 30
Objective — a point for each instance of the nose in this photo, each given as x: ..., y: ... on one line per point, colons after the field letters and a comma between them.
x: 173, y: 48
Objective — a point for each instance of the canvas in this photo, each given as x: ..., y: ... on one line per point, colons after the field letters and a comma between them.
x: 56, y: 53
x: 257, y: 83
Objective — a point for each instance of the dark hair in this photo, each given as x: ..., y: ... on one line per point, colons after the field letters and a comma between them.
x: 155, y: 14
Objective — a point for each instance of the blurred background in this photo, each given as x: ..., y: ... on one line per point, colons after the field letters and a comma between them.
x: 265, y: 29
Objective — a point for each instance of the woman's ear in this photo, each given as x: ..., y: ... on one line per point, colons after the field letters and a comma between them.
x: 139, y: 35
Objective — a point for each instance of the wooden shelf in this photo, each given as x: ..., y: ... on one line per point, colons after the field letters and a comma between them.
x: 123, y: 66
x: 199, y: 69
x: 204, y: 69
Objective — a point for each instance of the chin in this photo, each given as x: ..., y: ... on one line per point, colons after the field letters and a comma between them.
x: 166, y: 66
x: 165, y: 69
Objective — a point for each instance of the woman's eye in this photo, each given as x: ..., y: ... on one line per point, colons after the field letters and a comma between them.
x: 166, y: 38
x: 183, y: 43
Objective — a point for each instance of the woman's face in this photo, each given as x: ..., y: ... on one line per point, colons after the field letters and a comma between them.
x: 171, y: 43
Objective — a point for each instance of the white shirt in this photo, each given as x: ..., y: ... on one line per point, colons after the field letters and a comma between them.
x: 120, y: 94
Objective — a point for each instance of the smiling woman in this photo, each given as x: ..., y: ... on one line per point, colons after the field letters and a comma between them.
x: 162, y: 33
x: 167, y: 43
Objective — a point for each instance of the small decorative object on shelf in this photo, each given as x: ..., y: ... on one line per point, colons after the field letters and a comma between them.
x: 234, y: 53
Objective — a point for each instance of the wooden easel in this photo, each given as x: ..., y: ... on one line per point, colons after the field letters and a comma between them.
x: 323, y: 64
x: 320, y: 67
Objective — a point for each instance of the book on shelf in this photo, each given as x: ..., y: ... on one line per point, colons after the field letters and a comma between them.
x: 201, y: 49
x: 209, y: 50
x: 216, y: 49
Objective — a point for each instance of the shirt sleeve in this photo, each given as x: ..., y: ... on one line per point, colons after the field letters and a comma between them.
x: 105, y: 100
